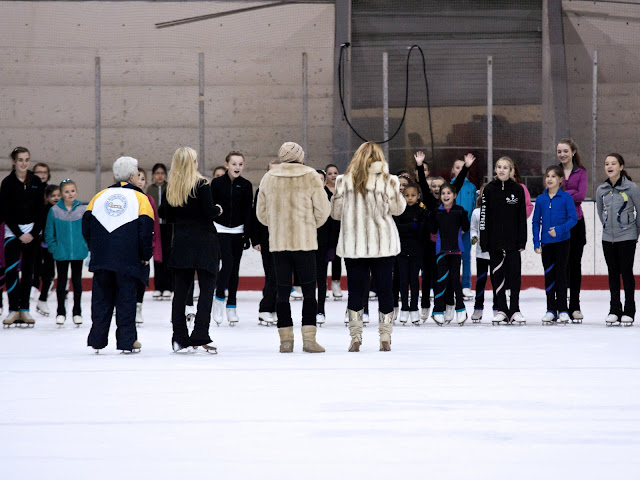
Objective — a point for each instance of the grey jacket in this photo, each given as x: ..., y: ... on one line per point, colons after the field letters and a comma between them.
x: 619, y: 210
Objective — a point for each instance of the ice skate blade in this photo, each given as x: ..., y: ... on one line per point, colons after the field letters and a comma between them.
x: 44, y: 314
x: 232, y: 324
x: 613, y: 324
x: 208, y: 349
x: 130, y: 352
x: 477, y: 320
x: 337, y: 299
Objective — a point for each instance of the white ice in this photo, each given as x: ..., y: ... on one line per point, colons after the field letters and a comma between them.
x: 480, y: 401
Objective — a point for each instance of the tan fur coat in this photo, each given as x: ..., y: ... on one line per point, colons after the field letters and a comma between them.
x: 293, y: 204
x: 367, y: 229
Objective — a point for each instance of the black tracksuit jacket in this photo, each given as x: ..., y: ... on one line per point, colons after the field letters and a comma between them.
x: 412, y: 225
x: 236, y: 200
x: 22, y: 203
x: 503, y: 217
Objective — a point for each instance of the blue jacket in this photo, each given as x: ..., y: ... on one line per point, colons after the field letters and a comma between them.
x: 118, y: 227
x: 63, y: 232
x: 467, y: 196
x: 558, y: 212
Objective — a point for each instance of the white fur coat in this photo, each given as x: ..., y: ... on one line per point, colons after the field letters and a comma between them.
x: 367, y: 229
x: 292, y: 202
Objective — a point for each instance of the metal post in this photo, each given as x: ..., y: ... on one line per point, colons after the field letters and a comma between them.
x: 594, y: 126
x: 341, y: 132
x: 305, y: 103
x: 98, y: 133
x: 385, y: 103
x: 489, y: 118
x: 201, y: 155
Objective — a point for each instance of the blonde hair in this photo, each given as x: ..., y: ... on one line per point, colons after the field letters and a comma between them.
x: 366, y: 154
x: 511, y: 163
x: 183, y: 177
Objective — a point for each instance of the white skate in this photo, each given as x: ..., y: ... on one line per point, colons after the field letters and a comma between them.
x: 461, y: 317
x: 627, y: 321
x: 336, y: 291
x: 476, y: 316
x: 218, y: 310
x: 424, y: 314
x: 320, y: 319
x: 365, y: 319
x: 232, y: 316
x: 612, y: 320
x: 438, y: 318
x: 77, y: 320
x: 577, y: 316
x: 266, y: 318
x: 42, y: 308
x: 157, y: 295
x: 296, y: 293
x: 60, y: 320
x: 190, y: 313
x: 414, y: 316
x: 449, y: 313
x: 563, y: 318
x: 499, y: 318
x: 467, y: 294
x: 404, y: 317
x: 548, y: 318
x: 139, y: 319
x: 518, y: 318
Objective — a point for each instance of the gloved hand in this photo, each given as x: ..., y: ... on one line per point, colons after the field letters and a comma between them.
x: 247, y: 243
x: 331, y: 254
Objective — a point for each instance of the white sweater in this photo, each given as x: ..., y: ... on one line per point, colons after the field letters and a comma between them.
x: 475, y: 233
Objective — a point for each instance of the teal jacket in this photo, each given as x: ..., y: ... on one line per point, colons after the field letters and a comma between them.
x: 63, y: 232
x: 467, y: 196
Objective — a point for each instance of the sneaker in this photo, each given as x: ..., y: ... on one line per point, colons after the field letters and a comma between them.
x: 564, y: 317
x: 77, y: 319
x: 320, y: 319
x: 467, y: 294
x: 461, y: 317
x: 438, y: 318
x: 611, y: 319
x: 166, y: 295
x: 296, y: 293
x: 626, y: 320
x: 232, y: 315
x: 518, y: 318
x: 60, y: 320
x: 336, y: 291
x: 548, y: 317
x: 476, y: 316
x: 404, y: 316
x: 42, y: 308
x: 414, y: 316
x: 139, y: 319
x: 218, y: 310
x: 449, y: 313
x: 157, y: 294
x: 424, y: 314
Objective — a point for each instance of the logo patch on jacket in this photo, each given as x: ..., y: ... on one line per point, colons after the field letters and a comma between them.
x: 116, y: 207
x: 512, y: 200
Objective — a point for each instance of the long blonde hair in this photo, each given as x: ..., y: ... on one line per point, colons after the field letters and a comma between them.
x: 183, y: 177
x: 366, y: 154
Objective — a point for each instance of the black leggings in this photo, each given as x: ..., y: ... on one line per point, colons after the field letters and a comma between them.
x: 429, y: 272
x: 270, y: 290
x: 304, y: 264
x: 336, y: 269
x: 482, y: 272
x: 554, y: 259
x: 619, y: 257
x: 18, y: 291
x: 62, y: 266
x: 409, y: 277
x: 506, y: 270
x: 448, y: 283
x: 321, y: 276
x: 230, y: 252
x: 44, y: 272
x: 183, y: 282
x: 574, y: 265
x: 359, y: 281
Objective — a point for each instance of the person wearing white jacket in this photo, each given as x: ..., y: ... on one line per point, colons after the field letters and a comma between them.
x: 366, y: 199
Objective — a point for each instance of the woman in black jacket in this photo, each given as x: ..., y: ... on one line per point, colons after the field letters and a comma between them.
x: 235, y: 195
x: 189, y: 206
x: 503, y: 233
x: 21, y: 201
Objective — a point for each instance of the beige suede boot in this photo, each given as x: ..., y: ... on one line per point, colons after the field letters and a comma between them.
x: 385, y: 326
x: 286, y: 339
x: 309, y: 343
x: 355, y: 329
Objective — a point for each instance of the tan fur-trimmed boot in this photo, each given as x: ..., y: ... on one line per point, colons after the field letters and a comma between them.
x: 385, y: 327
x: 286, y: 339
x: 355, y: 329
x: 309, y: 343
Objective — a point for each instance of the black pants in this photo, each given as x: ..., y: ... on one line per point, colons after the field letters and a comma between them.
x: 321, y: 276
x: 162, y: 277
x: 18, y: 291
x: 113, y: 290
x: 429, y: 271
x: 228, y: 278
x: 359, y: 281
x: 45, y: 271
x: 482, y: 272
x: 409, y: 276
x: 506, y: 269
x: 304, y: 264
x: 270, y: 290
x: 448, y: 283
x: 336, y: 269
x: 554, y: 259
x: 574, y: 265
x: 76, y: 280
x: 619, y: 257
x: 183, y: 282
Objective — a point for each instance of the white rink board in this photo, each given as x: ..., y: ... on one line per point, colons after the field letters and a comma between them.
x: 477, y: 402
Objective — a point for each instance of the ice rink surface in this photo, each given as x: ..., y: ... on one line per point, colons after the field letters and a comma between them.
x: 503, y: 402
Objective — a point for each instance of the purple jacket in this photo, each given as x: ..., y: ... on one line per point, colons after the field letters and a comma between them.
x: 576, y: 186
